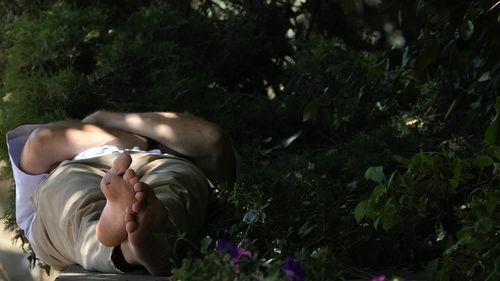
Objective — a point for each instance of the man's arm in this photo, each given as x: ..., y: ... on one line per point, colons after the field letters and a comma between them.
x: 183, y: 133
x: 53, y: 143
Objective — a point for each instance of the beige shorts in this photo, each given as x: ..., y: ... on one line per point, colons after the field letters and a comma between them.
x: 69, y: 202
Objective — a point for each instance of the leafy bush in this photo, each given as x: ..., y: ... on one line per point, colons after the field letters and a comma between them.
x: 456, y: 198
x: 313, y: 92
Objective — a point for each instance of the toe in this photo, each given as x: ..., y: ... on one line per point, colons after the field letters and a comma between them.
x: 139, y: 187
x: 121, y: 164
x: 131, y: 226
x: 129, y: 216
x: 140, y: 196
x: 137, y: 206
x: 130, y: 176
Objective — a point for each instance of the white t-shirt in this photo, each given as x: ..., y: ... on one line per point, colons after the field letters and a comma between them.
x: 26, y: 184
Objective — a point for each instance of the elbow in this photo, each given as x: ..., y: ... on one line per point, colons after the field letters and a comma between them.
x: 38, y: 140
x: 217, y: 140
x: 222, y: 159
x: 33, y: 160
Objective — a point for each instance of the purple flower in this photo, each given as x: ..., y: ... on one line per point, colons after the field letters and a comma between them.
x: 242, y: 252
x: 234, y: 252
x: 228, y: 246
x: 294, y: 269
x: 379, y: 278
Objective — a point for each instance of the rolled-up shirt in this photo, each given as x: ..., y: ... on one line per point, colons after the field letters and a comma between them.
x: 26, y: 184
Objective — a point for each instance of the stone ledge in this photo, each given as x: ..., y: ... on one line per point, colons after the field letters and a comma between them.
x: 75, y: 273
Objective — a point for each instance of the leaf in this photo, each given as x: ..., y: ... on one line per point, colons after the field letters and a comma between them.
x: 464, y: 233
x: 291, y: 139
x: 400, y: 159
x: 375, y: 174
x: 311, y: 111
x: 91, y: 35
x: 483, y: 225
x: 376, y: 223
x: 388, y: 215
x: 466, y: 30
x: 492, y: 135
x: 389, y: 182
x: 205, y: 243
x: 360, y: 210
x: 483, y: 161
x: 250, y: 217
x: 375, y: 72
x: 494, y: 151
x: 306, y: 229
x: 496, y: 169
x: 450, y: 108
x: 453, y: 183
x: 377, y: 193
x: 484, y: 77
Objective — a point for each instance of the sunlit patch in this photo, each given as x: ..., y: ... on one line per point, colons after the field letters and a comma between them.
x: 69, y: 203
x: 411, y: 122
x: 397, y: 40
x: 271, y: 94
x: 7, y: 97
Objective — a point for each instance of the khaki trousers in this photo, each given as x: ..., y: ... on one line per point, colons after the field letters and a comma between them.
x: 69, y: 202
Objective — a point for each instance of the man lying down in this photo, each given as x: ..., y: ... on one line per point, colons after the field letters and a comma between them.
x: 114, y: 191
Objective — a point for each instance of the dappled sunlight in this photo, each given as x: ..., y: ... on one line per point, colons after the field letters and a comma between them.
x: 7, y: 97
x: 68, y: 208
x: 158, y: 127
x: 90, y: 245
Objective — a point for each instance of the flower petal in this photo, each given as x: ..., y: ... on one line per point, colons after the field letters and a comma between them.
x: 294, y: 269
x: 227, y: 246
x: 242, y: 252
x: 379, y: 278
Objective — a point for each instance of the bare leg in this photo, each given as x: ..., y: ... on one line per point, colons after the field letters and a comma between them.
x: 117, y: 186
x: 147, y: 242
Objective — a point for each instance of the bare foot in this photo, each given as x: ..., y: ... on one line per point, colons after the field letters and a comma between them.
x: 117, y: 186
x: 147, y: 243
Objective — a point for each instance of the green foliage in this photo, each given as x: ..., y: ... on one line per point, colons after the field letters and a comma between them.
x: 348, y: 114
x: 492, y: 135
x: 218, y: 266
x: 327, y: 77
x: 443, y: 191
x: 214, y: 266
x: 478, y: 238
x: 424, y: 189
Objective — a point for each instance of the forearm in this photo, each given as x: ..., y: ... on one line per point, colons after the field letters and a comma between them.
x: 184, y: 133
